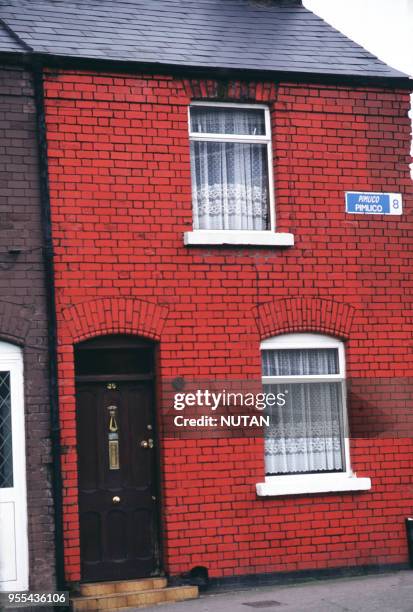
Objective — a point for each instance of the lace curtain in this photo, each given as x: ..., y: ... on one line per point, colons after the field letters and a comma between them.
x: 306, y: 434
x: 229, y: 179
x: 300, y: 362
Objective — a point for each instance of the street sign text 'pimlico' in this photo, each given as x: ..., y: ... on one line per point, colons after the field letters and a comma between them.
x: 368, y: 203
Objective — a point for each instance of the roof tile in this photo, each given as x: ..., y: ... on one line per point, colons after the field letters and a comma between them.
x: 273, y: 35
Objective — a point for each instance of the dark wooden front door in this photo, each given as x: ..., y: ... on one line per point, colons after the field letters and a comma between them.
x: 117, y: 480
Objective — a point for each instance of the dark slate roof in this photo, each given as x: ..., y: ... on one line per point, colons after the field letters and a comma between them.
x: 8, y: 43
x: 269, y: 35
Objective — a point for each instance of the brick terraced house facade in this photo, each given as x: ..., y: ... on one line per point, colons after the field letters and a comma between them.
x: 200, y: 234
x: 27, y: 557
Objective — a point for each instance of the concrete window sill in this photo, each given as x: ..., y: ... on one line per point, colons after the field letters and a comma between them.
x: 311, y: 483
x: 235, y: 237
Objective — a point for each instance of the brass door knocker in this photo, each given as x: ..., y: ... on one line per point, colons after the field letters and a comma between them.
x: 113, y: 425
x: 113, y: 439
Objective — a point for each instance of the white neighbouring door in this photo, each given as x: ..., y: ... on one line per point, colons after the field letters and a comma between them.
x: 14, y: 557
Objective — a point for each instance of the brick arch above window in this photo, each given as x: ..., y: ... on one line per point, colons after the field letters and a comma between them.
x: 114, y: 316
x: 236, y: 91
x: 304, y: 314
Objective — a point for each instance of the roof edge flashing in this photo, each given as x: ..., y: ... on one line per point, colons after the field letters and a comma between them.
x: 67, y: 62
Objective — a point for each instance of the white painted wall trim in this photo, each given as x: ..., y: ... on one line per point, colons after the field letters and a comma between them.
x: 238, y: 237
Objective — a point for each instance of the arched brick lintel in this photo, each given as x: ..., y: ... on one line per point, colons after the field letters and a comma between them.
x: 15, y: 322
x: 237, y: 91
x: 114, y: 316
x: 305, y: 314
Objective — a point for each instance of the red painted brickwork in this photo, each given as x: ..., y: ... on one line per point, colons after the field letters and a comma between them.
x: 121, y: 200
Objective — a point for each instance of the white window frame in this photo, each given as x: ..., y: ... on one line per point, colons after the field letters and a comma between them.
x: 295, y: 484
x: 266, y: 237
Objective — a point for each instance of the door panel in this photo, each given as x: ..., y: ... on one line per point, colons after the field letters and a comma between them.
x: 14, y: 567
x: 117, y: 481
x: 8, y: 561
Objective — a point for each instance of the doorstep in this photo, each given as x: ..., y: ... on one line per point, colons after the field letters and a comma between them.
x: 126, y: 594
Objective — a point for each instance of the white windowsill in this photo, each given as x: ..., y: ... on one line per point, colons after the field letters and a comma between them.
x: 223, y: 237
x: 311, y: 483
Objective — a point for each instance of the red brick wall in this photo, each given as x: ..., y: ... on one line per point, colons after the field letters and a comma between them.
x: 120, y: 195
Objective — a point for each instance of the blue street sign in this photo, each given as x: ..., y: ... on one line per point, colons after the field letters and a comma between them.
x: 370, y: 203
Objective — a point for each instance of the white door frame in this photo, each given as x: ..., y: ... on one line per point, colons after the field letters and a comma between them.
x: 14, y: 552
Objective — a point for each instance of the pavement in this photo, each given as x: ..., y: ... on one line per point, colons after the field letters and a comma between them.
x: 390, y: 592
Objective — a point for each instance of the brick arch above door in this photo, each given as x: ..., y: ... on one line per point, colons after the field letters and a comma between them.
x: 304, y: 314
x: 114, y: 316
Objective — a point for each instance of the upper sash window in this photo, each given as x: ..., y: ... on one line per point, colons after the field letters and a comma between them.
x: 230, y: 167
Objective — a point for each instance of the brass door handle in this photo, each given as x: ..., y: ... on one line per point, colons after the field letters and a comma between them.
x: 147, y: 443
x: 116, y: 499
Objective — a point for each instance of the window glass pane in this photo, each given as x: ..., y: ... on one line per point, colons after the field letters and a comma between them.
x: 306, y: 434
x: 243, y: 122
x: 6, y: 457
x: 113, y: 361
x: 296, y: 362
x: 230, y: 186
